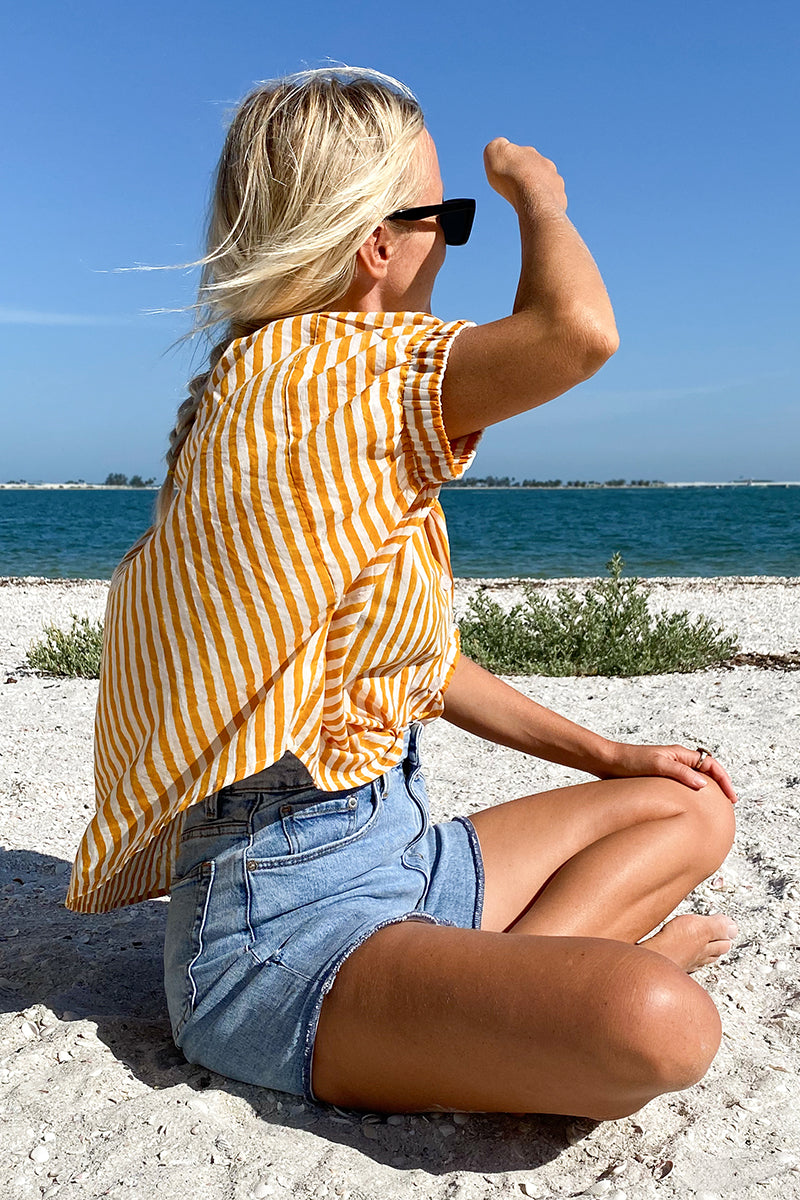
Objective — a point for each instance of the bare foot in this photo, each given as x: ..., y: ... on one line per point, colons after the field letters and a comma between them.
x: 692, y: 941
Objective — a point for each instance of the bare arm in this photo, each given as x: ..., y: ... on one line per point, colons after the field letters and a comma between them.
x: 562, y: 329
x: 484, y: 705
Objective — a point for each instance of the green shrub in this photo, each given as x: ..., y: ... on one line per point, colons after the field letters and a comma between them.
x: 607, y: 631
x: 71, y: 653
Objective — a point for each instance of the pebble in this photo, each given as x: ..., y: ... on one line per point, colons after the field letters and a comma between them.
x: 64, y: 1056
x: 461, y: 1118
x: 531, y: 1189
x: 395, y: 1119
x: 370, y: 1131
x: 446, y: 1129
x: 750, y: 1104
x: 261, y: 1190
x: 40, y: 1154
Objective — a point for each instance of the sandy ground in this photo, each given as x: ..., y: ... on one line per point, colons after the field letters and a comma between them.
x: 97, y: 1102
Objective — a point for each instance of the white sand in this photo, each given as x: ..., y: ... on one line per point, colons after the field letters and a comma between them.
x: 96, y: 1101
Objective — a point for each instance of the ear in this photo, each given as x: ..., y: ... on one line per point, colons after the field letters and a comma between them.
x: 373, y: 255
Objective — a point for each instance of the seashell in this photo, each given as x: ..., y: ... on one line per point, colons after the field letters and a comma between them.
x: 395, y: 1119
x: 29, y: 1030
x: 39, y: 1154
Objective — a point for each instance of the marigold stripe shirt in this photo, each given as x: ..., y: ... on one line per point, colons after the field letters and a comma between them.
x: 297, y: 597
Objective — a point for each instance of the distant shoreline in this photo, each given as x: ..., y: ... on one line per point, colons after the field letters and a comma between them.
x: 76, y: 487
x: 588, y: 487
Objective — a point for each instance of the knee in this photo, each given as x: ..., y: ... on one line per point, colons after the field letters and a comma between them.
x: 668, y: 1032
x: 713, y: 825
x: 674, y: 1035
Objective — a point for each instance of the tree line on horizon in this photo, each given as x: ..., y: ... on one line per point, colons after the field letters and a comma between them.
x: 512, y: 481
x: 115, y: 479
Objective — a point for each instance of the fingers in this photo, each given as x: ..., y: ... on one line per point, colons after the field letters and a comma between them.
x: 709, y: 768
x: 687, y: 770
x: 720, y: 776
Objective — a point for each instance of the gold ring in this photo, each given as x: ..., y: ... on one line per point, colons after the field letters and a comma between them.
x: 704, y: 754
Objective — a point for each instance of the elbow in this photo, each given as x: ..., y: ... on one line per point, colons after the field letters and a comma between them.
x: 593, y: 340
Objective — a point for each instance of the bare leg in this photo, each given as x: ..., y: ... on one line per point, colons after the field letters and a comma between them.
x: 610, y: 859
x: 423, y: 1017
x: 547, y: 1008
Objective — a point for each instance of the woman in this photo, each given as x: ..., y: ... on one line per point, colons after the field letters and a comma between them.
x: 276, y: 641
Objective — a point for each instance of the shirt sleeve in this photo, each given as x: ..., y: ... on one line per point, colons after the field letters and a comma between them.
x: 436, y: 459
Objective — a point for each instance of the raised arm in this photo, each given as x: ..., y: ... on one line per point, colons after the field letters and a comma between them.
x: 562, y: 329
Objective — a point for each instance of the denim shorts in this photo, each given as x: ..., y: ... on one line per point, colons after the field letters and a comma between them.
x: 276, y: 883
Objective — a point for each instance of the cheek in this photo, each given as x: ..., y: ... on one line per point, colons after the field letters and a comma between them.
x: 436, y: 255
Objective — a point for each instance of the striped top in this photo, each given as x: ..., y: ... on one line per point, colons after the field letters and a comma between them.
x: 298, y: 596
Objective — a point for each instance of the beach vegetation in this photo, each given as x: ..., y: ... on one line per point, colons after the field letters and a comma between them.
x: 607, y: 630
x: 72, y: 654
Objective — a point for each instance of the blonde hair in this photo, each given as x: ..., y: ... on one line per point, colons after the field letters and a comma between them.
x: 311, y: 164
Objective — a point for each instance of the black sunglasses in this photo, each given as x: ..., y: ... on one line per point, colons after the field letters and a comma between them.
x: 455, y: 218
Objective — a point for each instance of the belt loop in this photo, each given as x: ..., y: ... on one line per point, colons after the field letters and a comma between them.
x: 210, y: 804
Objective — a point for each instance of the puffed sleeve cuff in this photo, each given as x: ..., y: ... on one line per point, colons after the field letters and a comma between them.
x: 435, y: 457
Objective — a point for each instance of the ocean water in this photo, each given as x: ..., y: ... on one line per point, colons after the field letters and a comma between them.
x: 706, y: 531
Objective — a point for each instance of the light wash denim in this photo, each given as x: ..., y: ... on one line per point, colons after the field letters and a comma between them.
x: 276, y: 883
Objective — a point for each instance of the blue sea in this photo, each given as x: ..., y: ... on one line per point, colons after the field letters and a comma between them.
x: 706, y: 531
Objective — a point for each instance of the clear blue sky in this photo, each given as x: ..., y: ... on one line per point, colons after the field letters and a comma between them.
x: 674, y: 126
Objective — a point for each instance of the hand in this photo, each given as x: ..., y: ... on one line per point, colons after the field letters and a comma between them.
x: 669, y: 762
x: 520, y: 172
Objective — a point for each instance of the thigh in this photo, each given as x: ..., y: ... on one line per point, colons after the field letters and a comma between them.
x: 525, y: 841
x: 425, y: 1017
